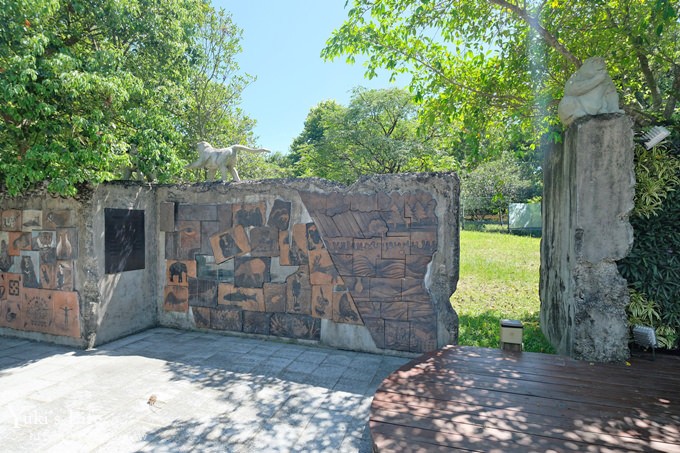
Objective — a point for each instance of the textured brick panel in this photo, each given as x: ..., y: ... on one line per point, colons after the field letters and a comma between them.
x: 201, y: 317
x: 347, y: 225
x: 396, y: 247
x: 364, y: 266
x: 421, y: 312
x: 295, y: 326
x: 197, y: 212
x: 376, y: 326
x: 207, y: 269
x: 230, y: 243
x: 247, y: 299
x: 413, y: 289
x: 226, y: 318
x: 178, y: 272
x: 321, y: 268
x: 279, y: 217
x: 422, y: 337
x: 171, y: 246
x: 225, y: 216
x: 359, y: 287
x: 389, y: 268
x: 339, y: 245
x: 423, y: 243
x: 189, y: 238
x: 344, y: 309
x: 367, y: 309
x: 392, y: 201
x: 337, y: 203
x: 208, y: 230
x: 322, y: 301
x: 385, y: 289
x: 264, y: 241
x: 11, y: 220
x: 275, y: 297
x: 202, y: 293
x: 397, y: 335
x: 176, y: 298
x: 166, y: 216
x: 256, y: 322
x: 397, y: 224
x: 327, y: 226
x: 249, y: 214
x: 251, y: 272
x: 394, y: 311
x: 416, y: 265
x: 343, y: 264
x: 314, y: 202
x: 364, y: 202
x: 299, y: 292
x: 420, y: 208
x: 56, y: 219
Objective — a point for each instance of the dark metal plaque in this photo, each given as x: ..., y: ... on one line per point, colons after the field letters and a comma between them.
x: 123, y: 240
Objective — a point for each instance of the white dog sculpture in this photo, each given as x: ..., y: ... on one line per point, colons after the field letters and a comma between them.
x: 214, y: 159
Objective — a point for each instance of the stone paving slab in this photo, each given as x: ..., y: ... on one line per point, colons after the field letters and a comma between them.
x: 213, y: 393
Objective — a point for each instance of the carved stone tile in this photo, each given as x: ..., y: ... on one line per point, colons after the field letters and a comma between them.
x: 343, y: 264
x: 422, y: 337
x: 224, y: 292
x: 230, y: 243
x: 279, y: 217
x: 256, y: 322
x: 176, y: 298
x: 364, y: 266
x: 166, y: 216
x: 413, y: 289
x: 275, y: 297
x: 208, y: 269
x: 189, y: 238
x: 344, y: 309
x: 37, y: 310
x: 397, y: 335
x: 420, y: 208
x: 321, y: 268
x: 197, y: 212
x: 178, y: 272
x: 171, y: 246
x: 314, y: 241
x: 423, y: 242
x: 347, y: 225
x: 368, y: 247
x: 249, y: 214
x: 385, y: 289
x: 48, y: 275
x: 284, y: 248
x: 251, y: 272
x: 390, y: 268
x: 314, y: 202
x: 394, y: 310
x: 246, y: 298
x: 264, y: 241
x: 359, y: 287
x: 11, y: 315
x: 392, y: 201
x: 14, y: 286
x: 30, y: 269
x: 31, y: 219
x: 376, y: 326
x: 59, y: 218
x: 421, y: 312
x: 11, y: 220
x: 202, y: 293
x: 208, y: 230
x: 396, y: 223
x: 371, y: 223
x: 326, y: 226
x: 299, y: 292
x: 416, y: 265
x: 225, y: 216
x: 298, y: 246
x: 396, y: 247
x: 339, y: 245
x: 66, y: 314
x: 368, y: 309
x: 67, y: 244
x: 295, y: 326
x: 364, y: 202
x: 322, y: 301
x: 336, y: 203
x: 226, y: 318
x: 279, y: 273
x: 64, y: 275
x: 201, y: 317
x: 19, y: 242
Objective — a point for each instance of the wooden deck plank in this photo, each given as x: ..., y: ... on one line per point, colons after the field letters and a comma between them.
x: 475, y: 399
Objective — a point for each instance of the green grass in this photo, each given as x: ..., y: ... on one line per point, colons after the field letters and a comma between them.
x: 498, y: 280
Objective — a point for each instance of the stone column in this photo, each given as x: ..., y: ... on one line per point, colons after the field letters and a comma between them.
x: 589, y: 186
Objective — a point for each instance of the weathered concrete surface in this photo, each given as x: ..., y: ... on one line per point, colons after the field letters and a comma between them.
x: 588, y: 194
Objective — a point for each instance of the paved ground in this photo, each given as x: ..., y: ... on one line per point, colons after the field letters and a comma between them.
x: 213, y: 393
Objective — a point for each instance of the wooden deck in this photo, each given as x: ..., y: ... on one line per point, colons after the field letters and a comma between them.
x: 474, y: 399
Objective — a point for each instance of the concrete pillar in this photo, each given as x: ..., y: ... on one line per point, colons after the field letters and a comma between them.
x: 589, y: 186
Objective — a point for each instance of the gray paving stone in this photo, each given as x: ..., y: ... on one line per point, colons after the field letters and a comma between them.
x: 214, y: 393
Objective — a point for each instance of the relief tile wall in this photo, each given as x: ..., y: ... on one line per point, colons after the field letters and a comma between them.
x: 38, y: 250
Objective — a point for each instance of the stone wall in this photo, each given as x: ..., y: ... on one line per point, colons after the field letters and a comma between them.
x: 370, y: 267
x: 588, y: 195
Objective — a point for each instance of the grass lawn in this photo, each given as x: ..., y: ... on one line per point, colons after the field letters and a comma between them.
x: 498, y: 280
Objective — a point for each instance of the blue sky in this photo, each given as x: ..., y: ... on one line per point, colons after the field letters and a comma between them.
x: 282, y: 40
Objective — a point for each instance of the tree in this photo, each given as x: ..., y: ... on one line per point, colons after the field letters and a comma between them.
x: 88, y: 89
x: 376, y: 133
x: 482, y: 62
